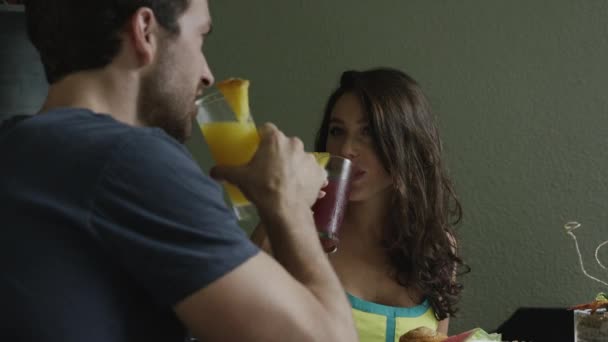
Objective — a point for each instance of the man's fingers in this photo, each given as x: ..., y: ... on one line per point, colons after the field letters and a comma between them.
x: 267, y: 130
x: 231, y: 174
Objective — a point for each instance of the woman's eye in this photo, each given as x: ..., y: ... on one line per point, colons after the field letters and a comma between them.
x: 366, y: 131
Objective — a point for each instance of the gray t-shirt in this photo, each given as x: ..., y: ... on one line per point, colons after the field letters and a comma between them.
x: 105, y: 227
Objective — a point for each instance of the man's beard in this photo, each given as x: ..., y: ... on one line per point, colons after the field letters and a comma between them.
x: 163, y: 103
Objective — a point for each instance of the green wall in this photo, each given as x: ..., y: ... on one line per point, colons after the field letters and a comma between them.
x: 520, y: 90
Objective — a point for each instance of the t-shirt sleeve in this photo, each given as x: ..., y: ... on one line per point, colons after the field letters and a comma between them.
x: 164, y: 221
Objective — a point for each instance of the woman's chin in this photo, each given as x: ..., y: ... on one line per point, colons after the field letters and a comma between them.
x: 355, y: 196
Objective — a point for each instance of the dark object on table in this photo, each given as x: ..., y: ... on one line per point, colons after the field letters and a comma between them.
x: 539, y: 325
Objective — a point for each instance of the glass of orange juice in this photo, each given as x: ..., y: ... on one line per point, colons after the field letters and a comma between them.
x: 232, y: 140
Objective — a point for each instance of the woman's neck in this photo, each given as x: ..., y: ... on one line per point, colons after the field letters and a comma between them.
x: 366, y: 220
x: 362, y: 262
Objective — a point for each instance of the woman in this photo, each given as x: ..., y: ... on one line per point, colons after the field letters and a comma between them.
x: 397, y: 254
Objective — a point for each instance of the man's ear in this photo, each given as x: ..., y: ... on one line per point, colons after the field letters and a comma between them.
x: 143, y: 30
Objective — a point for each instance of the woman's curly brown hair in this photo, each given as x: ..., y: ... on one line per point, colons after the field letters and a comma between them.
x: 420, y: 241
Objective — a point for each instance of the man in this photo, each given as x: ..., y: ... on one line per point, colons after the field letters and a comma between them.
x: 110, y: 230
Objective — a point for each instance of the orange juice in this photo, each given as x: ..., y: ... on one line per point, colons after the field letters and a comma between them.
x: 232, y: 143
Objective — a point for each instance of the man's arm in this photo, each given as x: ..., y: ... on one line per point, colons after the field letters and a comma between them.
x: 259, y: 300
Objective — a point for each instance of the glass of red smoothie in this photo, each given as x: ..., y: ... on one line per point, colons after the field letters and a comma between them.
x: 329, y: 210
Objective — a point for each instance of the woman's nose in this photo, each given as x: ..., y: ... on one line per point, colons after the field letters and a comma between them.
x: 349, y: 149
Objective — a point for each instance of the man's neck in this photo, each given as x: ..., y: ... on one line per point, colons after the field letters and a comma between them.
x: 104, y: 91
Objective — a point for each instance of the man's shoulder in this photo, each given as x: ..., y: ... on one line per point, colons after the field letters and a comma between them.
x: 77, y: 123
x: 94, y: 140
x: 94, y: 131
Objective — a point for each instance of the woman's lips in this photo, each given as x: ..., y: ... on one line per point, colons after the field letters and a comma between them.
x: 358, y: 174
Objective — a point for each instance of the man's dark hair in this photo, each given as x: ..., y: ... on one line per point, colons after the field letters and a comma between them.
x: 76, y: 35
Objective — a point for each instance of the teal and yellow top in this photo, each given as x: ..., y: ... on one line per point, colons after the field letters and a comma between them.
x: 383, y: 323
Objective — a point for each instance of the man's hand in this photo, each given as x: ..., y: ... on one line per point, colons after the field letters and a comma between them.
x: 279, y: 174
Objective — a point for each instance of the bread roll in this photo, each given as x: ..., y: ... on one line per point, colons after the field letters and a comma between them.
x: 423, y: 334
